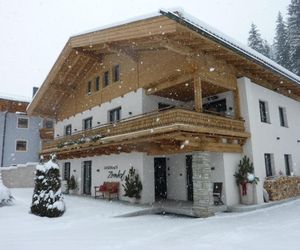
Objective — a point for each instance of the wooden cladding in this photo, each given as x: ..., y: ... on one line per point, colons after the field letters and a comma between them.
x: 144, y: 28
x: 197, y: 93
x: 157, y: 124
x: 12, y: 106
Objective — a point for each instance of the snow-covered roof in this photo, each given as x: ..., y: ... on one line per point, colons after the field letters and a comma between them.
x: 206, y: 30
x: 14, y: 98
x: 115, y: 24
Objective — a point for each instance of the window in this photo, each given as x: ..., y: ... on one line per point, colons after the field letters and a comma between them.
x: 282, y: 117
x: 68, y: 129
x: 66, y: 172
x: 22, y: 122
x: 269, y: 164
x: 106, y: 78
x: 48, y: 124
x: 116, y: 72
x: 97, y: 83
x: 87, y: 123
x: 21, y: 145
x: 115, y: 115
x: 219, y: 106
x: 89, y: 88
x: 264, y: 113
x: 288, y: 164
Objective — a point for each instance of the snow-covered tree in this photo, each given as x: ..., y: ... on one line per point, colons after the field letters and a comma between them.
x: 267, y: 50
x: 5, y: 195
x: 254, y: 40
x: 281, y: 44
x: 47, y: 199
x: 294, y: 34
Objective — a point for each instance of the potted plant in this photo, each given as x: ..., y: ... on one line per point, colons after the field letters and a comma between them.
x: 246, y: 179
x: 133, y: 186
x: 72, y: 185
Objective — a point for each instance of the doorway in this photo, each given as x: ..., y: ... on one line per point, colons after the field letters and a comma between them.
x: 160, y: 178
x: 87, y: 177
x: 189, y: 177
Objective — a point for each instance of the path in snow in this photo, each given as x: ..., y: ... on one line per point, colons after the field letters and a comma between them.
x: 90, y: 224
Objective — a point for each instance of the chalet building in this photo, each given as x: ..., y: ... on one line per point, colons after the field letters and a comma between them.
x: 19, y: 133
x: 175, y: 99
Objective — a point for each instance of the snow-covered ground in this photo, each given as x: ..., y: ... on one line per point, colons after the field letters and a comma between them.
x: 90, y: 224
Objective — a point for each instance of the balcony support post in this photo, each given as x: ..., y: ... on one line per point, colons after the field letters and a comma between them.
x: 202, y: 185
x: 197, y: 92
x: 236, y: 97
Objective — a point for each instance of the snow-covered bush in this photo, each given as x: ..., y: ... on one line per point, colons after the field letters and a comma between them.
x: 5, y: 195
x: 47, y: 199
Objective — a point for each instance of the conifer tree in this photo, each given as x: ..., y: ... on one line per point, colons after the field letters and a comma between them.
x: 47, y: 198
x: 281, y: 44
x: 254, y: 40
x: 267, y: 51
x: 294, y: 34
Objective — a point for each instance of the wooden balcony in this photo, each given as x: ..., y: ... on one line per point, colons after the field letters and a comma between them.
x: 161, y: 132
x: 47, y: 133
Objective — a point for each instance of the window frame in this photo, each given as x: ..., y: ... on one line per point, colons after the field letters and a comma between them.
x: 288, y: 164
x: 269, y: 165
x: 105, y: 79
x: 116, y: 111
x: 68, y: 131
x: 84, y: 123
x: 282, y: 116
x: 264, y: 112
x: 89, y: 88
x: 116, y: 73
x: 16, y: 144
x: 23, y: 118
x: 67, y: 165
x: 97, y: 83
x: 46, y: 122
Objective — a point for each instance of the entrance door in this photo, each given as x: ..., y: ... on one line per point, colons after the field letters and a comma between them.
x: 87, y: 177
x: 160, y: 180
x: 189, y: 177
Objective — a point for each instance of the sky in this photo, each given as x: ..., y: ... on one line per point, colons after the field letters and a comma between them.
x: 34, y: 32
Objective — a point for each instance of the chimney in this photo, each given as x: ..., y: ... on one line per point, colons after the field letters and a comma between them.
x: 34, y: 90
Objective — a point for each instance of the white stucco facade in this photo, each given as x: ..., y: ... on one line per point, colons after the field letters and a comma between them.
x: 269, y: 137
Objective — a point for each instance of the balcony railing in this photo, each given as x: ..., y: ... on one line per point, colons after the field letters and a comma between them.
x: 153, y: 121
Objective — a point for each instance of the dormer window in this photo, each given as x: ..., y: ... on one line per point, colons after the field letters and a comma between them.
x: 106, y: 78
x: 116, y: 73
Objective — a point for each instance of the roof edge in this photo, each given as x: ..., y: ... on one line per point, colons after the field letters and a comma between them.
x: 250, y: 54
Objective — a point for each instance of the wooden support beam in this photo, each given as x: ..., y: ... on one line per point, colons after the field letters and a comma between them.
x: 124, y: 52
x: 169, y: 82
x: 237, y: 103
x: 197, y: 93
x: 90, y: 54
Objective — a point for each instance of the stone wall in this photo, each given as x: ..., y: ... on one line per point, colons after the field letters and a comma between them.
x: 283, y: 187
x: 20, y: 176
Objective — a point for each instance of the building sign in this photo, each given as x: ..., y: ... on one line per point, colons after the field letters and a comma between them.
x: 115, y: 173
